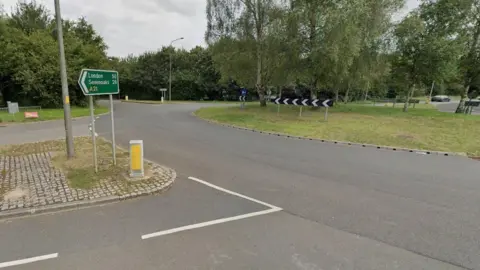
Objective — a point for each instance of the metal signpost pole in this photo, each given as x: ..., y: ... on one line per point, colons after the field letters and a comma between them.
x: 63, y: 76
x: 94, y: 82
x: 326, y: 114
x: 301, y: 108
x: 114, y: 150
x: 92, y: 119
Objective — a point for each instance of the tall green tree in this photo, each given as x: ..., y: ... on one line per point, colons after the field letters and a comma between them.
x: 421, y: 55
x: 459, y: 21
x: 244, y: 25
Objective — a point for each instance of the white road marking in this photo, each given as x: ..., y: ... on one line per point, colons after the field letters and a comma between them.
x: 29, y: 260
x: 210, y: 223
x: 272, y: 209
x: 233, y: 193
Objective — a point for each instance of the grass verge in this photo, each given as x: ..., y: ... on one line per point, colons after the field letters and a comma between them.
x: 79, y: 171
x: 420, y: 128
x: 49, y: 114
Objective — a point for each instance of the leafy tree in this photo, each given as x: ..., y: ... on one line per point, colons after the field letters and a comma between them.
x: 458, y: 21
x: 29, y: 69
x: 244, y: 25
x: 422, y: 55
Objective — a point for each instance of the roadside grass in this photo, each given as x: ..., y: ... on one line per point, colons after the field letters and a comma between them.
x: 79, y: 171
x: 49, y: 114
x: 419, y: 128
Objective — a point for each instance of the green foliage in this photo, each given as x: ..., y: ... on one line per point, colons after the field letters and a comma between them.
x: 193, y: 75
x: 29, y: 68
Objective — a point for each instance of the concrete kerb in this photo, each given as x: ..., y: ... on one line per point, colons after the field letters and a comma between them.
x: 417, y: 151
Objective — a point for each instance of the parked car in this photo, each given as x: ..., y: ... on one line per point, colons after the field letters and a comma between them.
x: 441, y: 98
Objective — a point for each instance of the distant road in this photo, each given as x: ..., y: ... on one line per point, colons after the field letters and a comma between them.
x: 451, y: 107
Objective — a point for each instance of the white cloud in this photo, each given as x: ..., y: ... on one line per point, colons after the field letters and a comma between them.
x: 135, y: 26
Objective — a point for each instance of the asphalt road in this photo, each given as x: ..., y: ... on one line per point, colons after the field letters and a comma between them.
x: 336, y: 207
x: 451, y: 107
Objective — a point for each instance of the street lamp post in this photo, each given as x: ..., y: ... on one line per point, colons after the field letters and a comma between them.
x: 170, y: 76
x: 63, y: 78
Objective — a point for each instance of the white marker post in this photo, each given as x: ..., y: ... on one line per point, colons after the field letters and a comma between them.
x: 114, y: 150
x: 163, y: 90
x: 136, y: 158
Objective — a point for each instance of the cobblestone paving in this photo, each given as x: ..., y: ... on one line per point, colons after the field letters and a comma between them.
x: 31, y: 181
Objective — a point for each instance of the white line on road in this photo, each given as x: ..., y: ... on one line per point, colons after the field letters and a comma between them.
x: 232, y: 192
x: 29, y: 260
x: 221, y: 220
x: 210, y: 223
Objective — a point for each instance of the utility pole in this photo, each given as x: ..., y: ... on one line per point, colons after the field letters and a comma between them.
x: 63, y: 76
x: 170, y: 76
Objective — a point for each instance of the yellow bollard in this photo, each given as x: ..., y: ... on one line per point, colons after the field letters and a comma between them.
x: 136, y: 158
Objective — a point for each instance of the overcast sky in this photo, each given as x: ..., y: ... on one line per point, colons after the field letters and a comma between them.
x: 135, y: 26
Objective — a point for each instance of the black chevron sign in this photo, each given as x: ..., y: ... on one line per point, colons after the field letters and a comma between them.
x: 305, y: 102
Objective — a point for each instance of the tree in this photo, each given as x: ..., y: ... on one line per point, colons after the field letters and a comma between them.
x: 459, y: 21
x: 422, y: 55
x: 29, y: 56
x: 245, y: 21
x: 30, y: 17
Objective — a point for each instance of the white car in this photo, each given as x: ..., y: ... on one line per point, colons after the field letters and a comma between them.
x: 441, y: 98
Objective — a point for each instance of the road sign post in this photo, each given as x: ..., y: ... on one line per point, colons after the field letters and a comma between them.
x: 114, y: 150
x: 94, y: 142
x: 95, y: 82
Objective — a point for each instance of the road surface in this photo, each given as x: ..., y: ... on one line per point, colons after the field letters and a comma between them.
x: 268, y: 203
x: 451, y: 107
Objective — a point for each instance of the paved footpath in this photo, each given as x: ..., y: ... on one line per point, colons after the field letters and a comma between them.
x: 244, y: 200
x: 41, y: 131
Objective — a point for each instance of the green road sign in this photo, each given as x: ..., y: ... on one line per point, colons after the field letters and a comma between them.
x: 98, y: 82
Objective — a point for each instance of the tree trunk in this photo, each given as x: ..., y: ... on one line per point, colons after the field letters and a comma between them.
x: 461, y: 105
x: 259, y: 85
x: 336, y: 95
x: 346, y: 93
x: 407, y: 100
x: 313, y: 89
x: 366, y: 91
x: 468, y: 80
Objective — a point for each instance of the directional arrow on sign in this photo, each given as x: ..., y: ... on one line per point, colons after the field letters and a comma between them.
x: 325, y: 103
x: 82, y: 80
x: 277, y: 101
x: 314, y: 102
x: 285, y: 101
x: 304, y: 102
x: 295, y: 102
